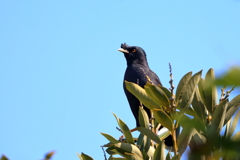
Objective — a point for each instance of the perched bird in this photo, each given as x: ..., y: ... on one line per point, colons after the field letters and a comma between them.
x: 136, y: 72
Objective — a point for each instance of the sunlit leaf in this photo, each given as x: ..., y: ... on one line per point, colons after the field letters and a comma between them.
x: 189, y: 92
x: 163, y: 133
x: 85, y: 157
x: 182, y: 86
x: 125, y: 130
x: 163, y: 119
x: 218, y: 118
x: 143, y: 118
x: 110, y: 138
x: 210, y: 91
x: 124, y: 148
x: 199, y: 107
x: 234, y: 123
x: 158, y: 94
x: 166, y: 91
x: 233, y: 106
x: 149, y: 134
x: 141, y: 94
x: 159, y: 153
x: 184, y: 138
x: 236, y: 137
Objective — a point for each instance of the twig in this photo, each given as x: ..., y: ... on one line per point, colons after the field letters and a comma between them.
x: 222, y: 93
x: 104, y: 154
x: 119, y: 129
x: 224, y: 96
x: 171, y: 88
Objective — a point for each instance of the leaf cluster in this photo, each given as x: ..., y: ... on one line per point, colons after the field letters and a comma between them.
x: 194, y: 116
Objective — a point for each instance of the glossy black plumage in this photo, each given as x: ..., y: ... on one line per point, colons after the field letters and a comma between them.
x: 137, y: 70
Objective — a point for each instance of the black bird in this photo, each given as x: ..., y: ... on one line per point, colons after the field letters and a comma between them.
x: 136, y: 72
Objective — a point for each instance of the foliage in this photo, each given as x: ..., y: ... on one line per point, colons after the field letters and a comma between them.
x: 207, y: 122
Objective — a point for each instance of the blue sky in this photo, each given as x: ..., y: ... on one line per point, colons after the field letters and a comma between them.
x: 61, y: 74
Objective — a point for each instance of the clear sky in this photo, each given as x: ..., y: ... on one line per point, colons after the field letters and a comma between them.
x: 61, y: 74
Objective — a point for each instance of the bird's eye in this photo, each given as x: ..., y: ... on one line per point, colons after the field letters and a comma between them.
x: 134, y: 50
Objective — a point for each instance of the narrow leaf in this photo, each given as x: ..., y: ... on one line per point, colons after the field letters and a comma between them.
x: 141, y: 94
x: 125, y: 130
x: 143, y: 118
x: 182, y: 86
x: 234, y: 123
x: 159, y: 152
x: 233, y: 106
x: 236, y: 137
x: 184, y: 138
x: 162, y: 118
x: 158, y: 94
x: 189, y: 92
x: 210, y: 91
x: 199, y: 107
x: 110, y: 138
x: 124, y: 148
x: 166, y: 91
x: 218, y: 118
x: 149, y: 134
x: 85, y: 157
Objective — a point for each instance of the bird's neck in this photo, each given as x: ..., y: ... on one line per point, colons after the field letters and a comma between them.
x: 136, y: 63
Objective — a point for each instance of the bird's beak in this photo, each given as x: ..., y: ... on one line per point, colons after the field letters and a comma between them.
x: 123, y: 50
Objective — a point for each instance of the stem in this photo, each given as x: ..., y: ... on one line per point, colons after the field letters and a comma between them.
x: 153, y: 127
x: 175, y: 148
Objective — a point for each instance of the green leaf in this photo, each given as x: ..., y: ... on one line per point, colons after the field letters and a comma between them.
x: 4, y: 158
x: 210, y: 91
x: 147, y: 148
x: 163, y: 133
x: 226, y: 133
x: 188, y: 93
x: 49, y: 155
x: 162, y: 118
x: 110, y: 138
x: 218, y: 118
x: 125, y: 130
x: 197, y: 140
x: 234, y: 124
x: 168, y: 157
x: 128, y: 150
x: 157, y: 94
x: 199, y: 107
x: 143, y: 118
x: 159, y: 152
x: 233, y: 106
x: 184, y: 138
x: 236, y: 137
x: 182, y: 86
x: 166, y: 91
x: 232, y: 77
x: 141, y: 94
x: 84, y: 157
x: 201, y: 85
x: 113, y: 158
x: 176, y: 157
x: 111, y: 150
x: 149, y: 134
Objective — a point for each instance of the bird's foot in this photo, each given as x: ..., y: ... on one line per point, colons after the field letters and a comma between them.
x: 121, y: 138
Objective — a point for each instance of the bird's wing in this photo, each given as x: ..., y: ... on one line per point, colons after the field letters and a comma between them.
x: 155, y: 78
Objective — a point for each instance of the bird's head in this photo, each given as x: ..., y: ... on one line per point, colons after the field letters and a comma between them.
x: 133, y: 54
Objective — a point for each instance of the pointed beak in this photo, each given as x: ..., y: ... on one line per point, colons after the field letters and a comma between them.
x: 123, y: 50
